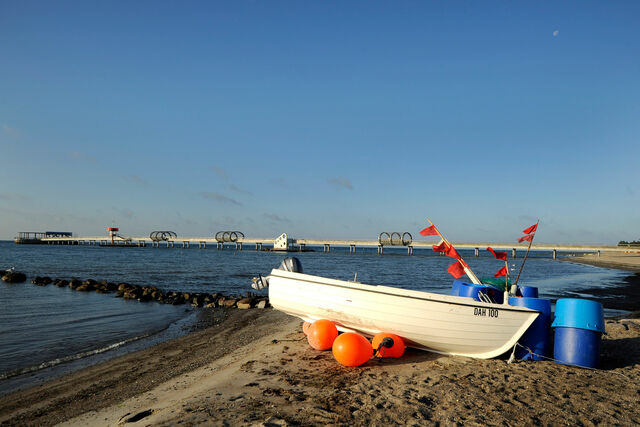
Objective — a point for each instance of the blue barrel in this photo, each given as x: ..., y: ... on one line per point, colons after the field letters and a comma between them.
x: 536, y: 338
x: 527, y: 291
x: 457, y: 285
x: 472, y: 290
x: 578, y: 327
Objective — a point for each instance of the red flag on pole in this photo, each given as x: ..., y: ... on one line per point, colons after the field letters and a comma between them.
x: 441, y: 247
x: 451, y: 251
x: 531, y: 229
x: 527, y: 238
x: 501, y: 272
x: 429, y: 231
x: 456, y: 269
x: 498, y: 255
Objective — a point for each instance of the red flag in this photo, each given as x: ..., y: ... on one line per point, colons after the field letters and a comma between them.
x: 441, y: 247
x: 456, y: 270
x: 429, y: 231
x: 501, y: 272
x: 451, y: 251
x: 527, y: 238
x: 531, y: 229
x: 498, y: 255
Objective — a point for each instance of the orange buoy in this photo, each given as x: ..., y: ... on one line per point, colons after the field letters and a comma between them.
x: 396, y: 349
x: 321, y: 334
x: 351, y: 349
x: 305, y: 327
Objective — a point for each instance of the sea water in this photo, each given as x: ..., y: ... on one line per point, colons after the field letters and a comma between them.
x: 46, y: 328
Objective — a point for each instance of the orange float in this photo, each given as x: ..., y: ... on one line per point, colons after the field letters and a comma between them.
x: 305, y: 327
x: 396, y: 350
x: 351, y: 349
x: 321, y: 334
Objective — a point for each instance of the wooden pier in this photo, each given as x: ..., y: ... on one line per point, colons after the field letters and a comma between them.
x: 327, y: 245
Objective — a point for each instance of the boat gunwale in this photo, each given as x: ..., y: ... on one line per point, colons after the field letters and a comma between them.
x: 398, y: 292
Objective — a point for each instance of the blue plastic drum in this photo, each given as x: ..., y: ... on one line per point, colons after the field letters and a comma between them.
x: 536, y: 338
x: 578, y: 325
x: 472, y: 290
x: 457, y: 284
x: 579, y: 313
x: 575, y: 346
x: 527, y: 291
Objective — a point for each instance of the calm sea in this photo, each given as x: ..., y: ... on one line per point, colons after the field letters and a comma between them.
x: 45, y: 331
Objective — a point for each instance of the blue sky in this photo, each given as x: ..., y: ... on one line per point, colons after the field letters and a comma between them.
x: 321, y: 119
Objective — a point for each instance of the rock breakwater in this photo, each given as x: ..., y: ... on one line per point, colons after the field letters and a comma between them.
x: 153, y: 294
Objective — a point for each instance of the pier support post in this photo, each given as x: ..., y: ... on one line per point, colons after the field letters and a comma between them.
x: 327, y: 248
x: 380, y: 250
x: 238, y: 246
x: 409, y: 250
x: 303, y: 246
x: 513, y: 253
x: 477, y: 253
x: 598, y: 253
x: 352, y: 249
x: 555, y: 253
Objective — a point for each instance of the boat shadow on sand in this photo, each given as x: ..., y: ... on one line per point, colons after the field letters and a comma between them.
x: 620, y: 352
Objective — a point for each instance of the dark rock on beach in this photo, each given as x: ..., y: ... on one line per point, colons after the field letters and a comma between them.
x: 123, y: 286
x: 61, y: 283
x: 132, y: 293
x: 148, y: 293
x: 41, y: 281
x: 14, y: 277
x: 245, y: 303
x: 229, y: 302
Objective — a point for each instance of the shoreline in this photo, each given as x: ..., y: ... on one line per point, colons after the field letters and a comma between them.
x: 616, y: 261
x: 128, y: 375
x: 626, y: 296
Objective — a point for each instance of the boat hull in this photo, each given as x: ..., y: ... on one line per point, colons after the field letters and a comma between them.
x: 439, y: 323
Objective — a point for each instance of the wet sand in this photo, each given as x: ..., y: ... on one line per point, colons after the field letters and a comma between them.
x: 254, y: 367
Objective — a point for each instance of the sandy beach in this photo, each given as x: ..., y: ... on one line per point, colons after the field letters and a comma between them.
x: 255, y: 367
x: 629, y: 261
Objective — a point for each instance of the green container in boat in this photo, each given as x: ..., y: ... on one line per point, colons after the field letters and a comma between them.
x: 496, y: 282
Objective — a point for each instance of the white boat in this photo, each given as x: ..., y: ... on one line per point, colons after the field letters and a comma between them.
x: 439, y: 323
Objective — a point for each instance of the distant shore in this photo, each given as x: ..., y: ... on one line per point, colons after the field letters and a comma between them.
x: 615, y: 260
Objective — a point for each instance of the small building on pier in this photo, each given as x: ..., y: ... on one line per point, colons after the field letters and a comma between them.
x: 35, y: 237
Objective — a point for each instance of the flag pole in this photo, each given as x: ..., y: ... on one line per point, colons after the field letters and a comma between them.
x: 525, y: 256
x: 465, y: 266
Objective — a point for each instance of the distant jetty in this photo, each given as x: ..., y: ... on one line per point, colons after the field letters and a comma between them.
x: 35, y: 237
x: 284, y: 243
